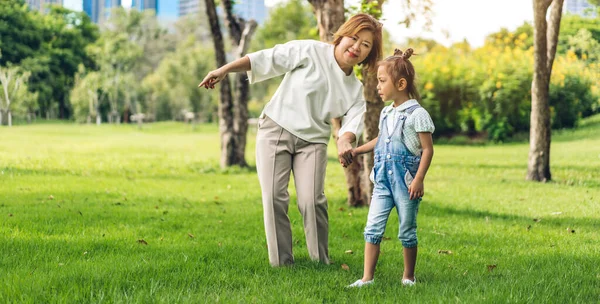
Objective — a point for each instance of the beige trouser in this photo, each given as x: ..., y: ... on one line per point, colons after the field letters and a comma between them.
x: 277, y: 153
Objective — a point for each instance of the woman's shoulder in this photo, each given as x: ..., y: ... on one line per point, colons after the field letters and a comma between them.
x: 310, y: 43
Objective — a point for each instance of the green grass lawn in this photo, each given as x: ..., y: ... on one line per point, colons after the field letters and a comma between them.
x: 94, y: 214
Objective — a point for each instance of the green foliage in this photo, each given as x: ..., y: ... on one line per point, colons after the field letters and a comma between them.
x: 50, y: 46
x: 488, y: 89
x: 21, y: 32
x: 292, y: 20
x: 172, y: 88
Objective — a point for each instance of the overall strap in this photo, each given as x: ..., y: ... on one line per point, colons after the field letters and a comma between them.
x: 411, y: 109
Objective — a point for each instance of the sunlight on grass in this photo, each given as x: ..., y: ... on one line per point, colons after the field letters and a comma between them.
x: 121, y: 214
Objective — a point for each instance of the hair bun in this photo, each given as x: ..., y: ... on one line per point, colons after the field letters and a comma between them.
x: 407, y: 53
x: 397, y: 52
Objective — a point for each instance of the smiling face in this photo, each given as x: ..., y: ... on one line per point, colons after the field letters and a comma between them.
x: 353, y: 50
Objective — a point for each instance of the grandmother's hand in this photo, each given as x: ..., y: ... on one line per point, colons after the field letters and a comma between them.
x: 345, y: 152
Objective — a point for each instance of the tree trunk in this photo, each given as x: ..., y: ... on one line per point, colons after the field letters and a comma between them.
x: 374, y: 107
x: 241, y: 32
x: 545, y: 41
x: 330, y: 16
x: 226, y: 101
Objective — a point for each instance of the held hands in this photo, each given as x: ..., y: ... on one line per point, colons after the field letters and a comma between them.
x: 416, y: 190
x: 345, y: 153
x: 212, y: 78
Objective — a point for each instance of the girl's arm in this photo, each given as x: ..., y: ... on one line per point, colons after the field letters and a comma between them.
x: 416, y: 189
x: 213, y: 77
x: 366, y: 148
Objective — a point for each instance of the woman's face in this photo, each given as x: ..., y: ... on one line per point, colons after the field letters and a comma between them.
x: 354, y: 50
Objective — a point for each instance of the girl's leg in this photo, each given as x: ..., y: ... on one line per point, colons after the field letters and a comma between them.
x: 410, y: 260
x: 379, y: 211
x: 371, y: 257
x: 407, y: 214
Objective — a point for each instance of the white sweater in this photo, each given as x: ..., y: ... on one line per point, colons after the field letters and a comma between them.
x: 314, y: 89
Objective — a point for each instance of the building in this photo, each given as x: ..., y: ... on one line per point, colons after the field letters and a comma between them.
x: 189, y: 7
x: 41, y: 5
x: 247, y: 9
x: 144, y: 4
x: 579, y: 7
x: 251, y: 9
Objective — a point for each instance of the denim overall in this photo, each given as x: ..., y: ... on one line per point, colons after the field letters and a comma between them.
x: 393, y: 171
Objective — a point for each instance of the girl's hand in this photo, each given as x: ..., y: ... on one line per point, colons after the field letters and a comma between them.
x: 415, y: 190
x: 212, y: 78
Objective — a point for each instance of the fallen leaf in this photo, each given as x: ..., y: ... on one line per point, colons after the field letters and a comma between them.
x: 156, y: 207
x: 191, y: 235
x: 386, y: 238
x: 50, y: 197
x: 10, y: 214
x: 444, y: 251
x: 345, y: 267
x: 536, y: 220
x: 341, y: 209
x: 349, y: 252
x: 491, y: 267
x: 350, y: 214
x: 141, y: 241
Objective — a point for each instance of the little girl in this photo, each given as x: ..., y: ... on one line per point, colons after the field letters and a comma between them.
x: 403, y: 152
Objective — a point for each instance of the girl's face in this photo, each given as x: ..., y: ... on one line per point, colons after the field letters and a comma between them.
x: 354, y: 50
x: 386, y: 88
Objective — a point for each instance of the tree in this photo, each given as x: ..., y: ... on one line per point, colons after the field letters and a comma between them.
x: 233, y: 114
x: 545, y: 36
x: 14, y: 87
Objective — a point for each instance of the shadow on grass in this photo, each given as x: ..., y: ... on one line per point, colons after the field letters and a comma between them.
x: 552, y: 220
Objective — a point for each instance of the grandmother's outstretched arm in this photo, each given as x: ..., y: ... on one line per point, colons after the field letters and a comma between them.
x: 214, y: 77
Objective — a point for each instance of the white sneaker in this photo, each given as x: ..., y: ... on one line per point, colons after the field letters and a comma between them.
x: 407, y: 282
x: 359, y: 283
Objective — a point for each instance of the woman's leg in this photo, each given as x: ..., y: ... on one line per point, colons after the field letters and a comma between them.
x: 273, y: 163
x: 309, y: 164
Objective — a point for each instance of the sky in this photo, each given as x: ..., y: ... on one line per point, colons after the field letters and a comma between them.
x: 470, y: 19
